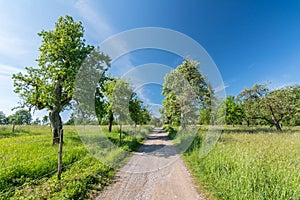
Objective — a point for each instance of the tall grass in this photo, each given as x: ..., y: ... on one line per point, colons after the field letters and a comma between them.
x: 28, y: 163
x: 260, y: 165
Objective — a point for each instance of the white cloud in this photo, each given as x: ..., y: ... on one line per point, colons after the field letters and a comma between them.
x: 94, y: 17
x: 6, y: 70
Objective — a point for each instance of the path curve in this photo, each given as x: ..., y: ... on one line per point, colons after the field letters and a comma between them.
x: 155, y: 171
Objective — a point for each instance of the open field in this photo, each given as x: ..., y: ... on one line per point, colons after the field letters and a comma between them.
x: 28, y: 163
x: 249, y: 163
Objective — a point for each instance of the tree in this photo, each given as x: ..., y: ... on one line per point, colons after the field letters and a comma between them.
x: 271, y: 106
x: 3, y: 118
x: 121, y: 97
x: 186, y: 92
x: 109, y: 86
x: 89, y: 99
x: 45, y: 120
x: 230, y: 111
x: 20, y: 117
x: 37, y: 121
x: 139, y: 113
x: 50, y: 86
x: 71, y: 120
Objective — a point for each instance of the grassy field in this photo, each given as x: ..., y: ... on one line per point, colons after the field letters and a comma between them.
x: 249, y: 163
x: 28, y: 162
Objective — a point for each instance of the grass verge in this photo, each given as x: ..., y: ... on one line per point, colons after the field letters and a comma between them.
x: 244, y: 164
x: 28, y: 163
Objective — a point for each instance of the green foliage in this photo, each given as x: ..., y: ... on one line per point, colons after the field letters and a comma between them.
x: 186, y: 92
x: 37, y: 121
x: 20, y: 117
x: 260, y: 103
x: 62, y: 52
x: 230, y: 112
x: 45, y: 120
x: 249, y: 166
x: 3, y: 118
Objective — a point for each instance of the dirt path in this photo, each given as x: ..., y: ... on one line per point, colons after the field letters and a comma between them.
x: 156, y: 171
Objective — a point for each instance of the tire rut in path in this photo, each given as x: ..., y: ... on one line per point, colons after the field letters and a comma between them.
x: 155, y: 171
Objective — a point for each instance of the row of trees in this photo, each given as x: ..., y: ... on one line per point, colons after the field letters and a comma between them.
x: 189, y: 99
x: 71, y: 74
x: 261, y: 105
x: 22, y: 117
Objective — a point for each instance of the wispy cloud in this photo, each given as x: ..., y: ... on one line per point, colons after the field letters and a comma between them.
x: 17, y: 48
x: 95, y: 18
x: 8, y: 98
x: 7, y: 71
x: 220, y: 88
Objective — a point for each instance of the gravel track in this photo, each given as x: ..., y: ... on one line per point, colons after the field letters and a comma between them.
x: 155, y: 171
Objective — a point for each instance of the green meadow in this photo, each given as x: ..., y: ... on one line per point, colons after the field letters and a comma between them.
x: 248, y: 163
x: 28, y: 161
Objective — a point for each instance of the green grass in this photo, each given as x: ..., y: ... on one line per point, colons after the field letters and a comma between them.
x: 249, y: 163
x: 28, y: 162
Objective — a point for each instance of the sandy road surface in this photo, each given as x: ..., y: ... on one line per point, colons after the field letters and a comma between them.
x: 156, y: 171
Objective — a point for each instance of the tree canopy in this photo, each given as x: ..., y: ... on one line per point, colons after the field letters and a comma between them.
x: 51, y: 84
x: 186, y: 92
x: 271, y: 106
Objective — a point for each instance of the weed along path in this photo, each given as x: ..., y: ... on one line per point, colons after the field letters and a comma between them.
x: 156, y: 171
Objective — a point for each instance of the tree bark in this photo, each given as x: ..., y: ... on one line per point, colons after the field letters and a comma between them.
x: 56, y: 125
x: 276, y: 122
x: 120, y: 134
x: 13, y: 127
x: 111, y: 119
x: 278, y: 126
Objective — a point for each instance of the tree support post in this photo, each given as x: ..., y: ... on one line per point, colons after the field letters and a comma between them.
x: 59, y: 166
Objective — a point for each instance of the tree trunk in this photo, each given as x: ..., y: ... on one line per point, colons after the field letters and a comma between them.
x: 111, y: 119
x: 56, y: 125
x: 120, y: 134
x: 13, y: 127
x: 278, y: 126
x: 248, y: 122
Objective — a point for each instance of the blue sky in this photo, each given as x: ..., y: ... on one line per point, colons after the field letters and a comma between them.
x: 250, y: 41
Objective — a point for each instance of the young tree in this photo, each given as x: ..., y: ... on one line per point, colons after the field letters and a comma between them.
x: 50, y: 86
x: 121, y: 96
x: 20, y: 117
x: 109, y: 86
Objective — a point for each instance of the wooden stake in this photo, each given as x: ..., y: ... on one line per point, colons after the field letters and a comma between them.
x: 59, y: 165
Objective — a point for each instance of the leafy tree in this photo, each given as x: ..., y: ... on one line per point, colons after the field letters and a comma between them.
x: 3, y: 118
x: 109, y: 86
x: 50, y: 86
x: 231, y: 111
x: 20, y: 117
x: 156, y: 122
x: 135, y: 109
x: 37, y: 121
x: 139, y: 113
x: 186, y: 92
x: 145, y: 115
x: 121, y: 97
x: 45, y: 120
x: 271, y: 106
x: 90, y: 101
